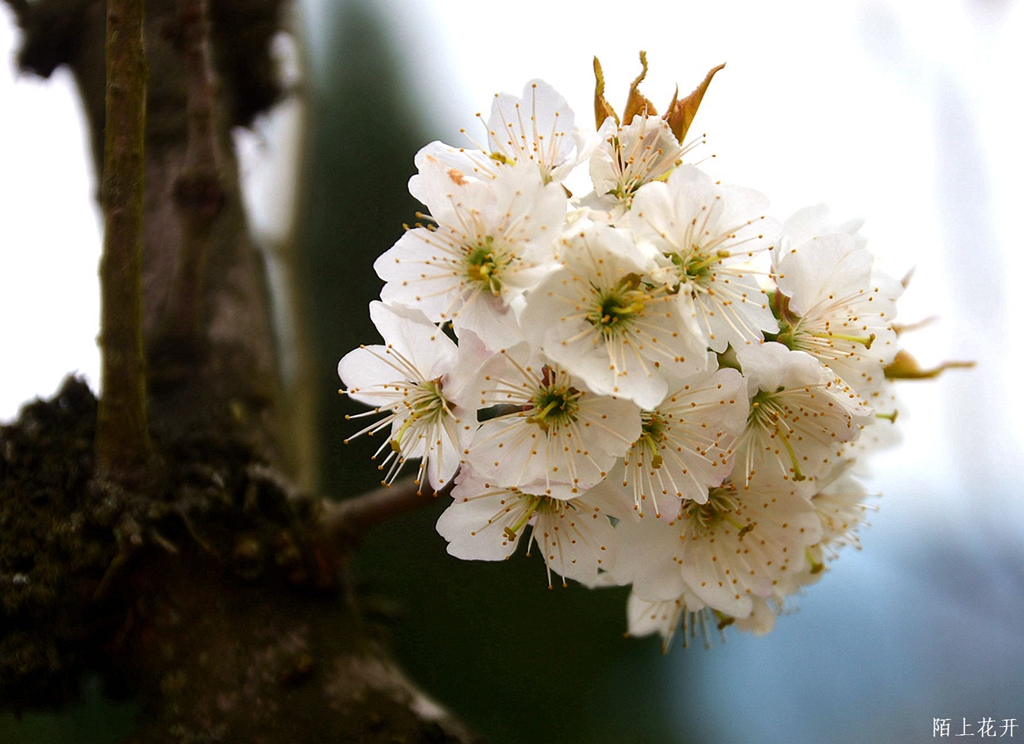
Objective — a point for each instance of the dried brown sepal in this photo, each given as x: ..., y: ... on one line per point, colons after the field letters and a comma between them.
x: 680, y: 114
x: 636, y: 103
x: 905, y: 367
x: 602, y: 109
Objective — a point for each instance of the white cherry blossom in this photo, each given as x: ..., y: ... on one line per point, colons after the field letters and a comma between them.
x: 841, y: 510
x: 538, y: 128
x: 492, y: 241
x: 761, y: 619
x: 711, y: 236
x: 686, y: 444
x: 556, y: 432
x: 669, y: 389
x: 626, y: 158
x: 880, y: 435
x: 486, y: 522
x: 409, y: 379
x: 800, y: 415
x: 832, y: 305
x: 731, y: 549
x: 739, y: 545
x: 601, y: 317
x: 813, y: 221
x: 667, y: 617
x: 693, y: 620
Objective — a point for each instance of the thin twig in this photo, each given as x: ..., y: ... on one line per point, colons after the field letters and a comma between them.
x: 122, y: 431
x: 199, y: 190
x: 349, y: 520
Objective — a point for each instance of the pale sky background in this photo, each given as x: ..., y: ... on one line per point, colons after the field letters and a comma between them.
x: 903, y: 113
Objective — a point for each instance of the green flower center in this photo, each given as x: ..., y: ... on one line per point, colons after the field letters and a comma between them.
x: 653, y: 430
x: 554, y: 404
x: 544, y: 504
x: 484, y: 266
x: 427, y: 402
x: 721, y: 506
x: 696, y: 266
x: 617, y: 306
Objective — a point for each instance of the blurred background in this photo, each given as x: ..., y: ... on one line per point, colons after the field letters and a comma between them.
x: 905, y: 114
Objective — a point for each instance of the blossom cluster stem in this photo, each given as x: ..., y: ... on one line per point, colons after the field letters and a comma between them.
x: 349, y: 520
x: 122, y: 432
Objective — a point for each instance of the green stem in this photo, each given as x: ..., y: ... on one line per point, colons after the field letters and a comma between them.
x: 122, y: 432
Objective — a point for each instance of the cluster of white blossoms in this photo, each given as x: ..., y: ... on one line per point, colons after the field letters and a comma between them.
x: 652, y: 383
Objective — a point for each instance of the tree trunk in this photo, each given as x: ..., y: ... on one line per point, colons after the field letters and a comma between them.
x: 205, y: 587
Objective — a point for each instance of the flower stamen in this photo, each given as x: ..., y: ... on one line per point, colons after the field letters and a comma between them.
x: 617, y: 306
x: 554, y: 405
x: 866, y: 341
x: 721, y: 506
x: 513, y: 531
x: 484, y: 264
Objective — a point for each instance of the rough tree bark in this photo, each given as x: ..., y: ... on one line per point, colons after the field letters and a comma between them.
x: 201, y: 585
